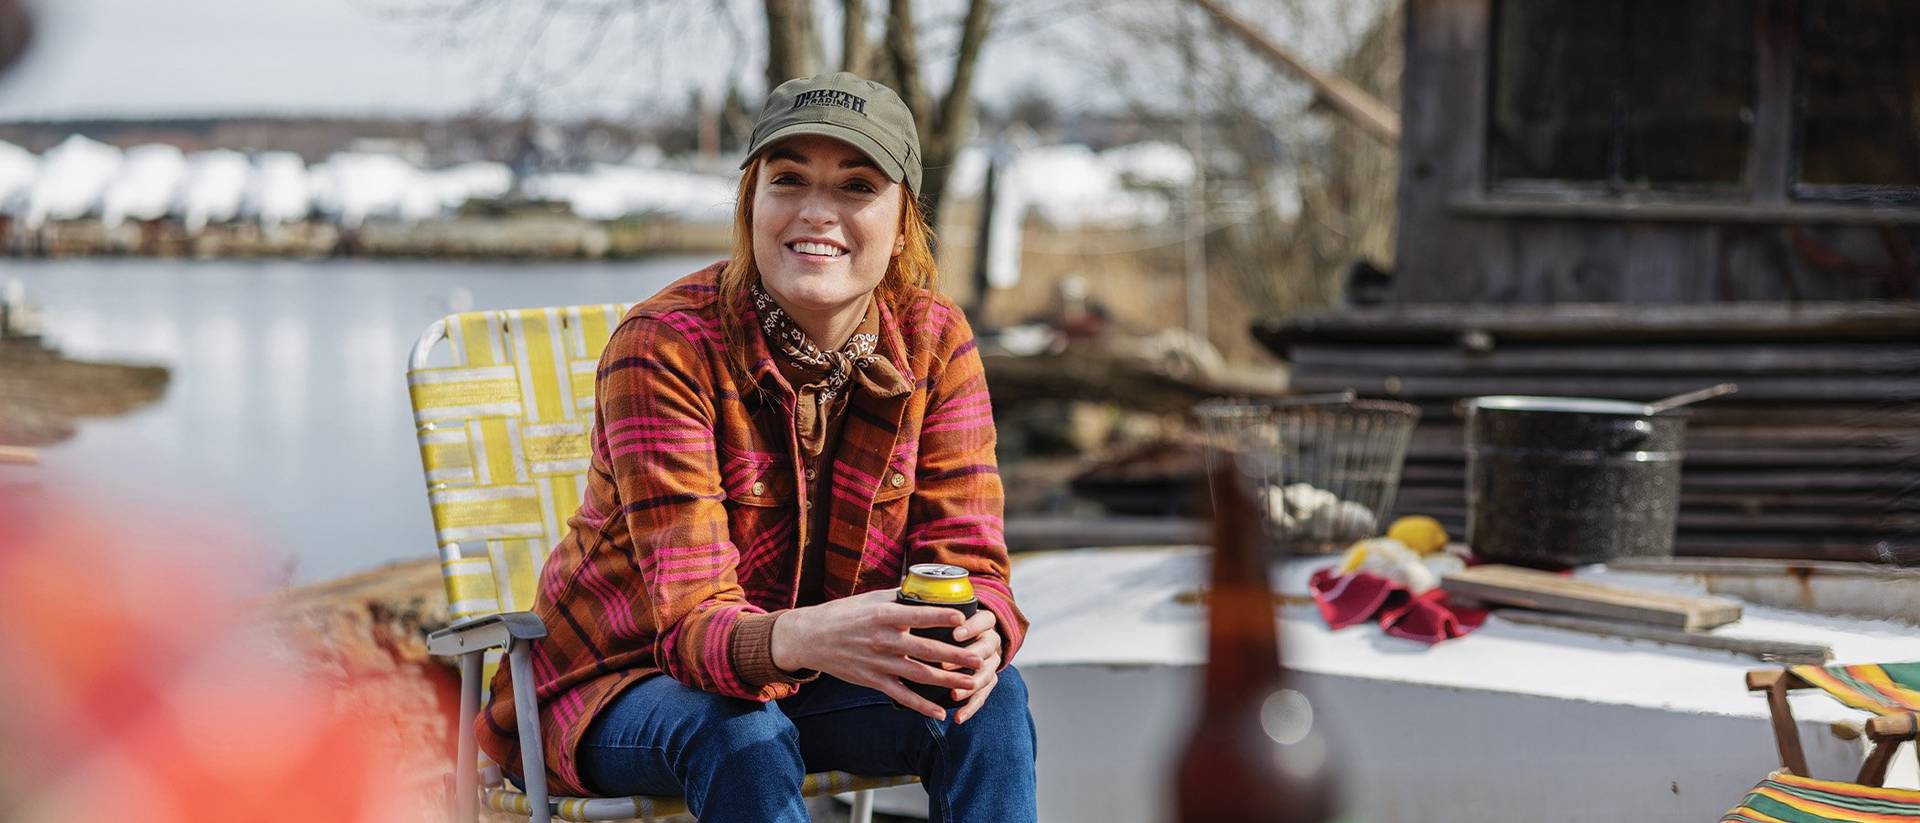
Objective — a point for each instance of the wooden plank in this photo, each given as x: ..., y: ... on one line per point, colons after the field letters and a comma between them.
x: 1643, y: 387
x: 1528, y: 588
x: 1683, y: 358
x: 1762, y: 568
x: 1768, y: 322
x: 1656, y: 208
x: 1772, y: 651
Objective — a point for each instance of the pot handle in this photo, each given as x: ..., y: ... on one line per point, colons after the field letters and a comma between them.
x: 1634, y: 434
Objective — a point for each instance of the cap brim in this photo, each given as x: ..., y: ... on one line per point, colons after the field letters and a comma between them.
x: 894, y: 169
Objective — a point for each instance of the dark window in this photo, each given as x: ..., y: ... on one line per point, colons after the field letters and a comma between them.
x: 1860, y: 93
x: 1555, y: 76
x: 1624, y: 94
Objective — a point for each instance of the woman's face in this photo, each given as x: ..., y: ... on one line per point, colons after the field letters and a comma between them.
x: 826, y: 222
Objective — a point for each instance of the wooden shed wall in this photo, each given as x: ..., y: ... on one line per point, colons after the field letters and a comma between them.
x: 1457, y: 244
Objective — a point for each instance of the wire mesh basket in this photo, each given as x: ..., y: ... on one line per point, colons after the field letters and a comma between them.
x: 1324, y: 470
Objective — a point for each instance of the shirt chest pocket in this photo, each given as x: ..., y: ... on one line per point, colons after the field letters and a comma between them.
x: 759, y: 483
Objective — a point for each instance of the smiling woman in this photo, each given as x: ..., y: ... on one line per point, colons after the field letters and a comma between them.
x: 776, y: 438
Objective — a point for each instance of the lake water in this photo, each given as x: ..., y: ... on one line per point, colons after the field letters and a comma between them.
x: 287, y: 413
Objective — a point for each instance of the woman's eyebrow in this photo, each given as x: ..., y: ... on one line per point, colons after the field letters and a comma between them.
x: 858, y: 161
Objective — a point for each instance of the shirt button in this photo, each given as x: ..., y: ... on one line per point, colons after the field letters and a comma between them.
x: 806, y: 504
x: 811, y: 475
x: 898, y: 480
x: 759, y: 488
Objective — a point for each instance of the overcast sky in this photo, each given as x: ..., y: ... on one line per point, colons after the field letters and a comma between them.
x: 187, y: 57
x: 134, y: 58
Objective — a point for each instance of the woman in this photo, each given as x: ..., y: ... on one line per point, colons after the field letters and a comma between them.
x: 777, y: 437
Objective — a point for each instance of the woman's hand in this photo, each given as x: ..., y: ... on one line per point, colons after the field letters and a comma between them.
x: 863, y: 639
x: 984, y: 642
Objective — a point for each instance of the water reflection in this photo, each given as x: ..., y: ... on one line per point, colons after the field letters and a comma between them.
x: 287, y: 413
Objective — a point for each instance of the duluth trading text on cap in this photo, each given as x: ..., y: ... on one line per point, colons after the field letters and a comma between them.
x: 846, y: 107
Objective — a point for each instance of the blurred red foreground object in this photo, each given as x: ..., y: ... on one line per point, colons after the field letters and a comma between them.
x: 143, y: 682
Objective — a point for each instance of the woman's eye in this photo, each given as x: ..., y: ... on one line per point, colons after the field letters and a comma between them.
x: 786, y: 179
x: 860, y: 186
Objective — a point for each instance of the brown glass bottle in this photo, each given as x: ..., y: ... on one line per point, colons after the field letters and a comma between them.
x: 1257, y: 752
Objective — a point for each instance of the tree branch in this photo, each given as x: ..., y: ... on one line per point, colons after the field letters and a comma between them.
x: 1376, y: 118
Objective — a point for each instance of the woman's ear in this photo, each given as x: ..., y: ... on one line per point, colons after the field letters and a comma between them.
x: 899, y: 245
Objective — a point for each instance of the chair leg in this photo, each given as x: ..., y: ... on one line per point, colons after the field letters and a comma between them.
x: 862, y: 806
x: 533, y: 766
x: 1785, y: 734
x: 1874, y: 771
x: 466, y: 777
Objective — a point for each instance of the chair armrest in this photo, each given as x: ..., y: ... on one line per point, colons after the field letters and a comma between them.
x: 1760, y: 680
x: 486, y: 632
x: 1893, y: 727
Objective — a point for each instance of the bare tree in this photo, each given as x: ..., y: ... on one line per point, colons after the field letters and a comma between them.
x: 1292, y: 196
x: 792, y: 47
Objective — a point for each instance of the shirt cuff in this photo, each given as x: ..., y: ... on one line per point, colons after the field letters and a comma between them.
x: 752, y: 654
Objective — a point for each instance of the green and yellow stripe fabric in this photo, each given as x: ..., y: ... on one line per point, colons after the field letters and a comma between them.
x: 503, y: 440
x: 1885, y: 689
x: 1788, y: 798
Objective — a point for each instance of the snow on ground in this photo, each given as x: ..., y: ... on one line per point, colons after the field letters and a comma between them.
x: 609, y: 191
x: 72, y: 177
x: 278, y: 191
x: 145, y: 186
x: 1066, y: 185
x: 217, y: 183
x: 1070, y: 185
x: 18, y: 169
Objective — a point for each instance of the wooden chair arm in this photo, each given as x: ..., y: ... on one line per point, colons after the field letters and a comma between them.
x: 1760, y: 680
x: 1893, y: 727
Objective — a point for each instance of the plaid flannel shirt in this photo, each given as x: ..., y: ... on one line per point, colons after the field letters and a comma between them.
x: 687, y: 542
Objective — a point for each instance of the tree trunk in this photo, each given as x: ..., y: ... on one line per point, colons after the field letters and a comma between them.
x: 856, y: 52
x: 793, y: 47
x: 943, y: 129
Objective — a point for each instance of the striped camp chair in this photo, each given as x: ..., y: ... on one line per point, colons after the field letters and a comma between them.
x: 1790, y: 798
x: 503, y: 440
x: 1891, y: 691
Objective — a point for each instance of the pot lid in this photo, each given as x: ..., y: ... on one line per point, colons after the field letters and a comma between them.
x: 1570, y: 405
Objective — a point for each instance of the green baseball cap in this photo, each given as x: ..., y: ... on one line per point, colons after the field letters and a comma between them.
x: 848, y: 108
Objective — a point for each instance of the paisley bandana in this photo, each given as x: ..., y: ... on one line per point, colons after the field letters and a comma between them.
x: 857, y: 359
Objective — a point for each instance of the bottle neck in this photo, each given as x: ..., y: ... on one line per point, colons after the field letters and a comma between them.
x: 1243, y: 639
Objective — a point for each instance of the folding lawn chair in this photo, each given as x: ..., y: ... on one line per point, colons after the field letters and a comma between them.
x: 1790, y: 798
x: 1891, y: 691
x: 503, y: 440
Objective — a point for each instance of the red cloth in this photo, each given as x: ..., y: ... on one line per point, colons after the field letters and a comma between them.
x: 1345, y: 600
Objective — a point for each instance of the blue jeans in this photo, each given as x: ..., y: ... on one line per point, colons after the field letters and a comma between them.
x: 738, y: 760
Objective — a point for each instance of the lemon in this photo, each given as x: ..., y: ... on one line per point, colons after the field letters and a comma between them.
x: 1420, y: 533
x: 1356, y: 557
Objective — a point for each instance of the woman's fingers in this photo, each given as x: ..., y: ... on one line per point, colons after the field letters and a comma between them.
x: 919, y: 672
x: 978, y: 697
x: 906, y: 697
x: 981, y: 621
x: 987, y: 673
x: 934, y: 651
x: 986, y: 644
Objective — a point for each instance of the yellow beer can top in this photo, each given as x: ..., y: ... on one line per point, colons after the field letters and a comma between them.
x: 937, y: 583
